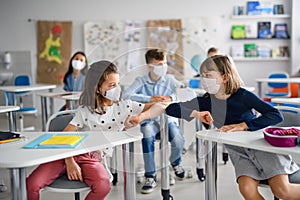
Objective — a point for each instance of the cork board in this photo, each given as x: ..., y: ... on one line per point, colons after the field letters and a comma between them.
x: 53, y: 50
x: 166, y: 35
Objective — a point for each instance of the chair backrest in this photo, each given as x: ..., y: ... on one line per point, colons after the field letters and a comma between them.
x: 22, y: 80
x: 278, y: 75
x: 291, y: 116
x: 58, y: 121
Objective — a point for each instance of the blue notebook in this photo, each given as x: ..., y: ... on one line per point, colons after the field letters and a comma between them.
x: 52, y: 140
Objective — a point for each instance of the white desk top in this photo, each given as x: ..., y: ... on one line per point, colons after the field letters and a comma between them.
x: 248, y: 139
x: 62, y: 95
x: 279, y: 80
x: 286, y: 100
x: 14, y: 156
x: 24, y: 88
x: 4, y: 109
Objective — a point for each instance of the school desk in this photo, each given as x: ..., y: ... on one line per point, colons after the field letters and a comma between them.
x: 24, y: 88
x: 16, y: 159
x: 9, y: 110
x: 282, y: 100
x: 247, y: 139
x: 68, y: 96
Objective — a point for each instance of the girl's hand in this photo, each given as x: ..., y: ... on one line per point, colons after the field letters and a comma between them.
x: 132, y: 121
x: 234, y: 127
x: 73, y: 169
x: 203, y: 116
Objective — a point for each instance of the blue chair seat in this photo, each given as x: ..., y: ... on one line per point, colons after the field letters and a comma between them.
x: 277, y: 94
x: 27, y: 109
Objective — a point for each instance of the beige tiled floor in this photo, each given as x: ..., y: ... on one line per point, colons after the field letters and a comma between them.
x: 188, y: 189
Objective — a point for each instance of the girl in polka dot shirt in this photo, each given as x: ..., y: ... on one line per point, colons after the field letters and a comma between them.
x: 101, y: 109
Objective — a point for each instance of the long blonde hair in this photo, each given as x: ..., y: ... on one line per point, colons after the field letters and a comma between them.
x: 96, y: 75
x: 225, y: 65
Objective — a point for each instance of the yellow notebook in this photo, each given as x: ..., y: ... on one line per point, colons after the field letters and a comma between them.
x: 62, y: 140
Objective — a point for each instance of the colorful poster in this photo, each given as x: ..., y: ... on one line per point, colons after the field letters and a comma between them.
x: 53, y: 50
x: 166, y: 35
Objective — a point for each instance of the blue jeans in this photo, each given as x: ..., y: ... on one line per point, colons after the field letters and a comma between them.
x: 149, y: 130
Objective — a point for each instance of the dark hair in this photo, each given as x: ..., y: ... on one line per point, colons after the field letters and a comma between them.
x: 96, y: 75
x: 70, y: 69
x: 154, y: 54
x: 212, y: 50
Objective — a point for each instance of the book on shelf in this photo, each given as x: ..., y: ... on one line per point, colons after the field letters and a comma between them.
x: 238, y: 31
x: 51, y: 140
x: 284, y: 51
x: 266, y: 8
x: 250, y: 50
x: 280, y: 31
x: 251, y: 30
x: 278, y: 9
x: 253, y: 8
x: 264, y: 30
x: 263, y: 51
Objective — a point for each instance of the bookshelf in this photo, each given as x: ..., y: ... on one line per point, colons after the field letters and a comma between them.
x: 275, y: 45
x: 256, y: 17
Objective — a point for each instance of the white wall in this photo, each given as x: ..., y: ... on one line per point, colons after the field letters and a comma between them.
x: 18, y: 34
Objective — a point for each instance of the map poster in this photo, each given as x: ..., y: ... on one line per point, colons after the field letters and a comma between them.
x: 166, y: 35
x: 53, y: 50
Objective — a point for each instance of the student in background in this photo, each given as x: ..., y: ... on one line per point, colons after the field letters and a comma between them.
x: 101, y: 109
x: 212, y: 51
x: 232, y: 109
x: 74, y: 77
x: 157, y: 86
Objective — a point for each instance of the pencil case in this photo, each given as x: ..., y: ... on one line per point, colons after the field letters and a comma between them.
x: 282, y: 137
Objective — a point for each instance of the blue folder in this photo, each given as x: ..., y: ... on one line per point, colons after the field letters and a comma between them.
x: 36, y: 144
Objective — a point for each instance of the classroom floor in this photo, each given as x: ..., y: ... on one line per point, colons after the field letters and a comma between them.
x: 187, y: 189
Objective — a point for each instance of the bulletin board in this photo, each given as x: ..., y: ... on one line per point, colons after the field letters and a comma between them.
x: 166, y: 35
x: 125, y: 42
x: 54, y: 50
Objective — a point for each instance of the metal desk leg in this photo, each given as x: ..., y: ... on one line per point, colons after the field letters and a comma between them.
x: 113, y: 166
x: 18, y: 183
x: 164, y: 156
x: 51, y: 104
x: 259, y: 92
x: 211, y: 170
x: 11, y: 122
x: 14, y: 114
x: 44, y: 112
x: 129, y: 174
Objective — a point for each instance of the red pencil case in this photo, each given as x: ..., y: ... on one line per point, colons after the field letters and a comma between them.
x: 282, y: 137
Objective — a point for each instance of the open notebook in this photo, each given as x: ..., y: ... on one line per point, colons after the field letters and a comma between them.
x: 52, y: 140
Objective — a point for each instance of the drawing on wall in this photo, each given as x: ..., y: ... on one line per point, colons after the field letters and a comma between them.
x: 104, y: 40
x: 134, y: 35
x: 125, y: 42
x: 199, y: 34
x: 166, y: 35
x: 54, y: 49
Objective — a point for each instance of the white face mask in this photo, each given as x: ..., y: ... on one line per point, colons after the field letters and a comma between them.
x: 210, y: 85
x: 114, y: 94
x: 77, y: 64
x: 160, y: 70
